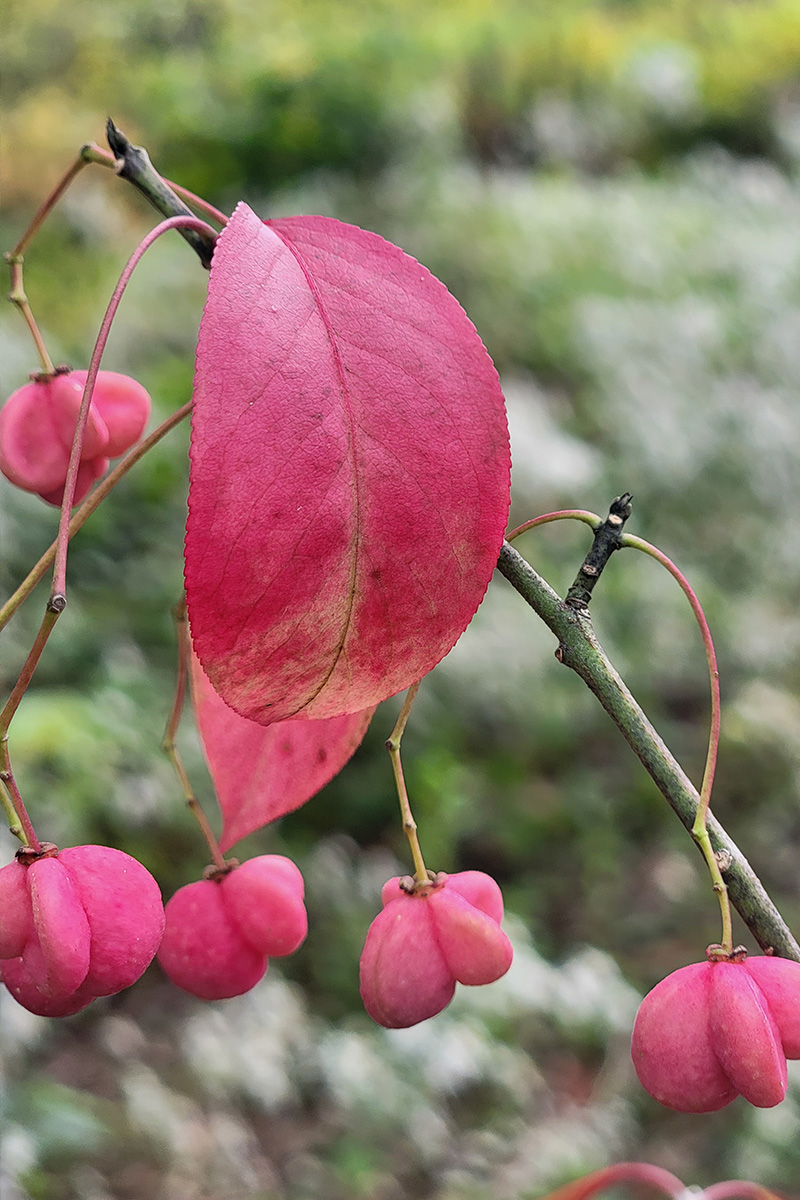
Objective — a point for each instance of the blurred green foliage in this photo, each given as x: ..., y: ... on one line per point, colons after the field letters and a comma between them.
x: 611, y: 191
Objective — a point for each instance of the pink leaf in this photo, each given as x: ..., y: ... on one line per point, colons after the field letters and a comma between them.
x: 350, y: 470
x: 261, y: 773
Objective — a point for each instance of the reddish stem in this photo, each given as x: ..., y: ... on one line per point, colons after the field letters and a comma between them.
x: 58, y: 594
x: 575, y: 514
x: 627, y: 1172
x: 711, y: 658
x: 24, y: 831
x: 700, y: 826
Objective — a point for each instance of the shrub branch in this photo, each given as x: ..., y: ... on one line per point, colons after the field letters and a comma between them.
x: 579, y: 649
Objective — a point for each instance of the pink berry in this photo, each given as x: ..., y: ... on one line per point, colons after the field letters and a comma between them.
x: 264, y: 896
x: 126, y: 915
x: 37, y: 425
x: 221, y: 931
x: 718, y: 1029
x: 124, y: 406
x: 202, y: 950
x: 83, y: 922
x: 426, y: 941
x: 88, y: 471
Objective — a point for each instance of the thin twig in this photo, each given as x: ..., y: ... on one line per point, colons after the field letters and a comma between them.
x: 168, y: 742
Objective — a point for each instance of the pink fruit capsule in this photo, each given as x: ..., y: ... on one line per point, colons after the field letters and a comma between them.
x: 124, y: 406
x: 202, y: 950
x: 83, y: 922
x: 718, y: 1029
x: 264, y: 897
x: 427, y: 940
x: 89, y: 470
x: 37, y: 425
x: 221, y: 931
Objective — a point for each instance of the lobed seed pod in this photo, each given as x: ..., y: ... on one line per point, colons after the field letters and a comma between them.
x: 428, y: 939
x: 714, y: 1030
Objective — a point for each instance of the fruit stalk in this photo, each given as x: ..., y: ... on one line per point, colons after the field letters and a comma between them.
x: 699, y: 829
x: 168, y: 744
x: 393, y: 746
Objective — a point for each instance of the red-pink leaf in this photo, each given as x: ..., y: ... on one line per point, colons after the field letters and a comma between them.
x: 350, y: 470
x: 261, y: 773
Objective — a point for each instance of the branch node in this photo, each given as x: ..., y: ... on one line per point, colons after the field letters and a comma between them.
x: 133, y: 163
x: 607, y: 539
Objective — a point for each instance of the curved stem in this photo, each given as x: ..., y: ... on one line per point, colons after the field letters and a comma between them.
x: 738, y: 1189
x: 638, y: 543
x: 575, y: 514
x: 82, y: 514
x: 168, y: 743
x: 88, y: 154
x: 579, y: 649
x: 58, y: 594
x: 393, y: 746
x: 699, y: 832
x: 625, y: 1172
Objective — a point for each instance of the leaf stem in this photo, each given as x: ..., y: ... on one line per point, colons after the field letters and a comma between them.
x: 82, y: 514
x: 393, y: 746
x: 168, y: 743
x: 699, y: 831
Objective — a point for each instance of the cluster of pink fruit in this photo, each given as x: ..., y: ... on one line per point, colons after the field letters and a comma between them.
x: 86, y: 921
x: 37, y: 425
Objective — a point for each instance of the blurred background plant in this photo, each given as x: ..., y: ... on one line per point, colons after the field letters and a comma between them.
x: 611, y: 191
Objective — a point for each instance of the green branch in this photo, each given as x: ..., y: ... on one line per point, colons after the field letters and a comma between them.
x: 579, y: 649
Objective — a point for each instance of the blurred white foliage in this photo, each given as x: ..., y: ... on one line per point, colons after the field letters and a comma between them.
x: 545, y: 458
x: 769, y: 1129
x: 666, y: 76
x: 587, y: 989
x: 252, y: 1045
x: 561, y: 1145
